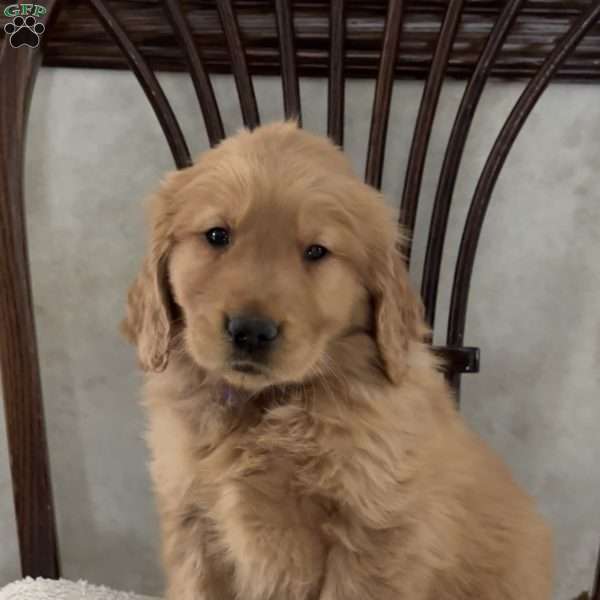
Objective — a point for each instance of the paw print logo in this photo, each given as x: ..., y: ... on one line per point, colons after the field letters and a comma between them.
x: 24, y: 31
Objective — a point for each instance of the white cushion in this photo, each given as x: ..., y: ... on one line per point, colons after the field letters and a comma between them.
x: 48, y: 589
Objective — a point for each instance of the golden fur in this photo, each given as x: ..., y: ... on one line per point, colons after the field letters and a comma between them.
x: 340, y: 470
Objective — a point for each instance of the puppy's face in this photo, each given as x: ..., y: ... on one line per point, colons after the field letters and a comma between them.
x: 266, y: 280
x: 273, y: 251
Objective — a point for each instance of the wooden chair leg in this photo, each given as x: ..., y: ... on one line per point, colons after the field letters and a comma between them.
x: 596, y: 589
x: 18, y: 348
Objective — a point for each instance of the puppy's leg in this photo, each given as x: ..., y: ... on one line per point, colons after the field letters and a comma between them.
x: 353, y: 575
x: 277, y: 555
x: 191, y: 579
x: 194, y: 572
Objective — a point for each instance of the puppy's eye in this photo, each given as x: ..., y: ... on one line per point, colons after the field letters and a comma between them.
x: 218, y: 236
x: 315, y: 252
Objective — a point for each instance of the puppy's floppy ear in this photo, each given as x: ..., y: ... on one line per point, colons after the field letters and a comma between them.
x: 149, y: 320
x: 398, y: 312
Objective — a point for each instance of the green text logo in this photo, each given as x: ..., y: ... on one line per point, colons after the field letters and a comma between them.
x: 25, y: 9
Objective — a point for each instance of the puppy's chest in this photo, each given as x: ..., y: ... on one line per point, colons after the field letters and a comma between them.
x: 264, y: 468
x: 266, y: 489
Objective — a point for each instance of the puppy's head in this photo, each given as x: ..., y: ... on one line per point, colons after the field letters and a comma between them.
x: 263, y: 256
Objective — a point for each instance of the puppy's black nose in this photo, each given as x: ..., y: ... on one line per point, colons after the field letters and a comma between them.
x: 249, y: 333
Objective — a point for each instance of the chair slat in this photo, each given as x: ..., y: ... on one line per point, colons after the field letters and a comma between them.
x: 596, y: 586
x: 239, y: 65
x: 287, y: 50
x: 426, y: 115
x: 149, y: 83
x: 453, y: 156
x: 19, y: 358
x: 383, y: 92
x: 336, y: 80
x: 202, y: 84
x: 494, y: 164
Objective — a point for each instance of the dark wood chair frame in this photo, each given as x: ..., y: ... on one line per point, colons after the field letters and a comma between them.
x: 18, y: 68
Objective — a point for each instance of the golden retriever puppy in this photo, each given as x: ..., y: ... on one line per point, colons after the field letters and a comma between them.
x: 305, y: 445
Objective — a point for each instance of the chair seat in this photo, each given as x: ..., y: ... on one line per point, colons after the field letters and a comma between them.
x: 49, y: 589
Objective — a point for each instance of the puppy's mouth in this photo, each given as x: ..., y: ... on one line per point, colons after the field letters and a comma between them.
x: 247, y: 375
x: 248, y: 367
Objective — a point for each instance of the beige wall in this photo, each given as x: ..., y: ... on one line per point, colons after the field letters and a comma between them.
x: 95, y: 150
